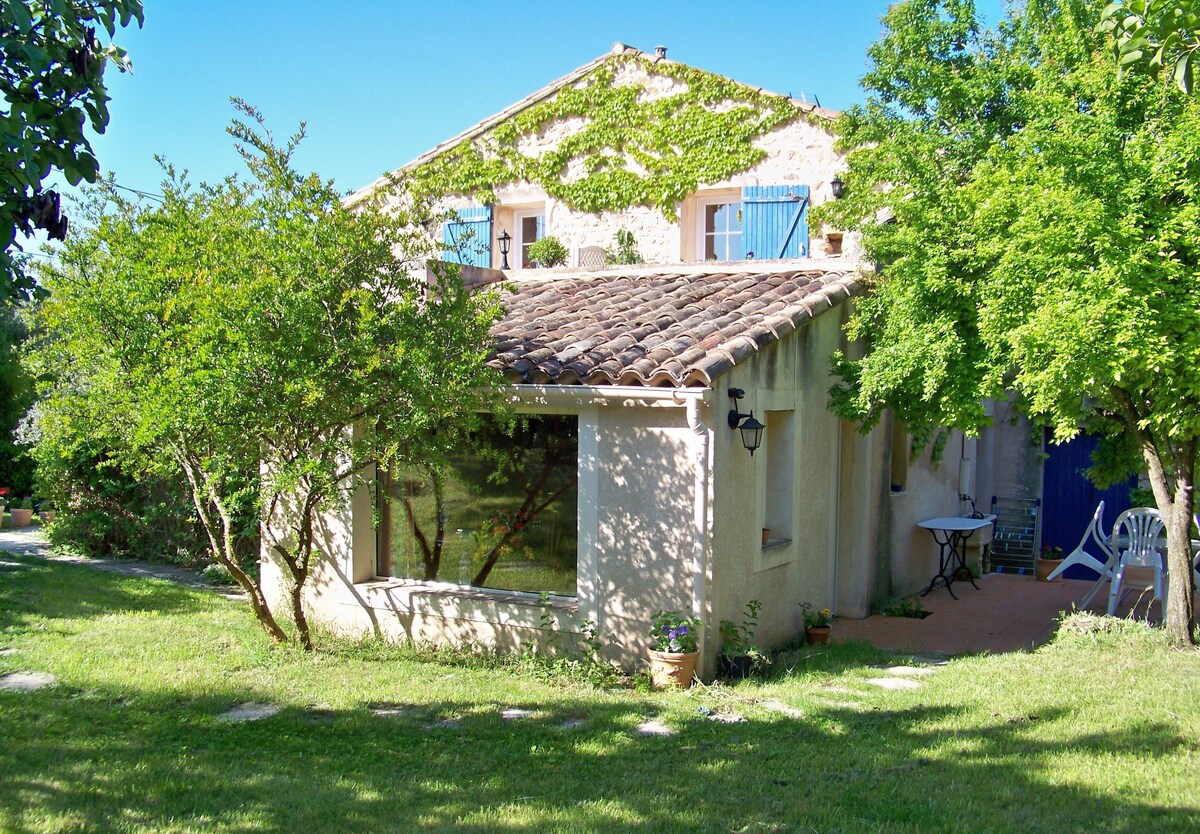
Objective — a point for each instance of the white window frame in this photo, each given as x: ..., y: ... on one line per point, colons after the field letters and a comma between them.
x: 703, y: 201
x: 519, y: 243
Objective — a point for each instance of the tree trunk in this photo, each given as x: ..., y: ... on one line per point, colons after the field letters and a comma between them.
x: 1176, y: 509
x: 258, y: 602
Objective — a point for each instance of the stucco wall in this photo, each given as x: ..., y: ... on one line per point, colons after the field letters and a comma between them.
x: 790, y: 376
x: 636, y: 547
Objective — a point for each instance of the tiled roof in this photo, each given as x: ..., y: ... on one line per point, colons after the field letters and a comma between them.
x: 675, y: 327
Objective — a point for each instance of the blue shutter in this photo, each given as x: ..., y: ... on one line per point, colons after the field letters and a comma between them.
x: 469, y: 237
x: 775, y: 221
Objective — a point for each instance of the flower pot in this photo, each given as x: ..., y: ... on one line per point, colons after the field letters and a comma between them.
x: 1045, y: 567
x: 735, y: 667
x: 672, y: 669
x: 47, y: 516
x: 766, y: 533
x: 20, y: 517
x: 817, y: 635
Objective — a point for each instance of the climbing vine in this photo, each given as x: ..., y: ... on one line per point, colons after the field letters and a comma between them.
x: 628, y: 149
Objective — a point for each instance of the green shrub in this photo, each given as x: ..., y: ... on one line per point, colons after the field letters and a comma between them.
x: 547, y: 251
x: 626, y: 251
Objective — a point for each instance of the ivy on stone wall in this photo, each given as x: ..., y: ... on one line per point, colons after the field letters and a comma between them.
x: 628, y: 150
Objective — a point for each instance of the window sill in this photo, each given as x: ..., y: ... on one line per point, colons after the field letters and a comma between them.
x: 415, y: 588
x: 772, y: 544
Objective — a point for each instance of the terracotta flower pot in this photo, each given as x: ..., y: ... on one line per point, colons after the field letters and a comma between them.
x: 766, y: 535
x: 20, y: 517
x: 817, y: 635
x: 47, y: 516
x: 673, y: 669
x: 1045, y: 567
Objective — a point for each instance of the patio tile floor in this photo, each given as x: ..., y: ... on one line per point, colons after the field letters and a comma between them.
x: 1008, y: 613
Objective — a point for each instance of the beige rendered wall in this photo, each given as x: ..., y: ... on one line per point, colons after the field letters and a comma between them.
x: 788, y: 377
x: 637, y: 545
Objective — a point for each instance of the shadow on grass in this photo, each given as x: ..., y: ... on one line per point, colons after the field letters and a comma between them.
x: 42, y: 589
x: 72, y: 760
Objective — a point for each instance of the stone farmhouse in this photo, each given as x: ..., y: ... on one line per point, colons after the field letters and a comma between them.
x: 629, y: 487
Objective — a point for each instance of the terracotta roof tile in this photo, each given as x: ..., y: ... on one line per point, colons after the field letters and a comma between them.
x: 674, y: 328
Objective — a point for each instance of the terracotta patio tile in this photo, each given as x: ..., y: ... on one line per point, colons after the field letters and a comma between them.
x: 1008, y: 613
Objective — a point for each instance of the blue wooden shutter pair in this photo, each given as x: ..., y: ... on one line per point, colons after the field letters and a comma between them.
x: 469, y: 237
x: 775, y: 221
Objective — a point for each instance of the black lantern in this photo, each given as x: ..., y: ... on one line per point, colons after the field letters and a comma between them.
x: 836, y: 185
x: 505, y: 242
x: 750, y: 428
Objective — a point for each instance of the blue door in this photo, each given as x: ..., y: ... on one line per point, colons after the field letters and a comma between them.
x: 1069, y: 498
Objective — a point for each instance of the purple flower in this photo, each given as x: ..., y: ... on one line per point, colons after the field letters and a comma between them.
x: 683, y: 630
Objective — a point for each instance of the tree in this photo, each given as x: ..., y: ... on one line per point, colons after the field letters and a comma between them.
x: 259, y: 321
x: 1035, y: 219
x: 1153, y: 35
x: 52, y: 82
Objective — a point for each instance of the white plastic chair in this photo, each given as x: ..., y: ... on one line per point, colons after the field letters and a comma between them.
x: 1141, y: 529
x: 1079, y: 556
x: 1196, y: 560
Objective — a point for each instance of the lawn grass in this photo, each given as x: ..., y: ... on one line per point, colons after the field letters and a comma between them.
x: 1097, y: 732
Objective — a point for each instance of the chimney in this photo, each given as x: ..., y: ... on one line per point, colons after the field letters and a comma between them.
x: 661, y: 52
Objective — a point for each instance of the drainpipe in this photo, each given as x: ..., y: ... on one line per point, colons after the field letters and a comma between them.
x: 700, y: 549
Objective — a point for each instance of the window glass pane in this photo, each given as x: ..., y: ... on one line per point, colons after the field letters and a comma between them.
x: 723, y: 232
x: 507, y: 506
x: 532, y: 229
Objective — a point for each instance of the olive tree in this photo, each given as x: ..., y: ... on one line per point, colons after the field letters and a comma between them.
x: 259, y: 320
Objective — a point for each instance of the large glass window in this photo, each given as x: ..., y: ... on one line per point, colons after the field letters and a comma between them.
x: 721, y: 231
x: 498, y: 513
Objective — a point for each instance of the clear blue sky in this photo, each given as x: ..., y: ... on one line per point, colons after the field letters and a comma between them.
x: 380, y: 82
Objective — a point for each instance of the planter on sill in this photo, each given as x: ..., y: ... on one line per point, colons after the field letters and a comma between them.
x: 673, y: 669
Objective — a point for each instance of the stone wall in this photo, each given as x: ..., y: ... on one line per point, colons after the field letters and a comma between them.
x: 801, y: 152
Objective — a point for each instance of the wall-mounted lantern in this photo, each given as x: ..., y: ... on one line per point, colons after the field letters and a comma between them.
x: 505, y: 243
x: 750, y: 428
x: 837, y: 186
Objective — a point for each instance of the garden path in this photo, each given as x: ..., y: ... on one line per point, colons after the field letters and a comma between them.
x: 31, y: 541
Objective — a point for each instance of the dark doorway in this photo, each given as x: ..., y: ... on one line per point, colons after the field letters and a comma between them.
x: 1069, y: 498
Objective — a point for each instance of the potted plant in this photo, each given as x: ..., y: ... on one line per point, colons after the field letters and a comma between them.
x: 1048, y: 561
x: 816, y: 624
x: 46, y: 512
x: 675, y: 649
x: 21, y: 514
x: 547, y: 251
x: 740, y: 658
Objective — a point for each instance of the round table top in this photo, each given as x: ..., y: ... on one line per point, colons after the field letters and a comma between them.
x: 956, y: 523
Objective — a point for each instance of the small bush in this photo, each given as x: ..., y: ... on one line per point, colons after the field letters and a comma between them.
x: 626, y: 251
x: 547, y: 251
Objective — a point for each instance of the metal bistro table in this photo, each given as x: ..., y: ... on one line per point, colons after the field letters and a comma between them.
x: 951, y: 535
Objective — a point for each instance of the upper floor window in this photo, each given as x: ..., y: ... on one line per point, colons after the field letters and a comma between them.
x: 766, y: 222
x: 720, y: 230
x: 529, y: 226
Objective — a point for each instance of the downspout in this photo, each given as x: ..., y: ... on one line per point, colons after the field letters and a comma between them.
x: 700, y: 549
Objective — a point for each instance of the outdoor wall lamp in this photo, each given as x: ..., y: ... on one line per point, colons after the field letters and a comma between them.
x: 836, y: 186
x: 505, y: 242
x: 751, y: 429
